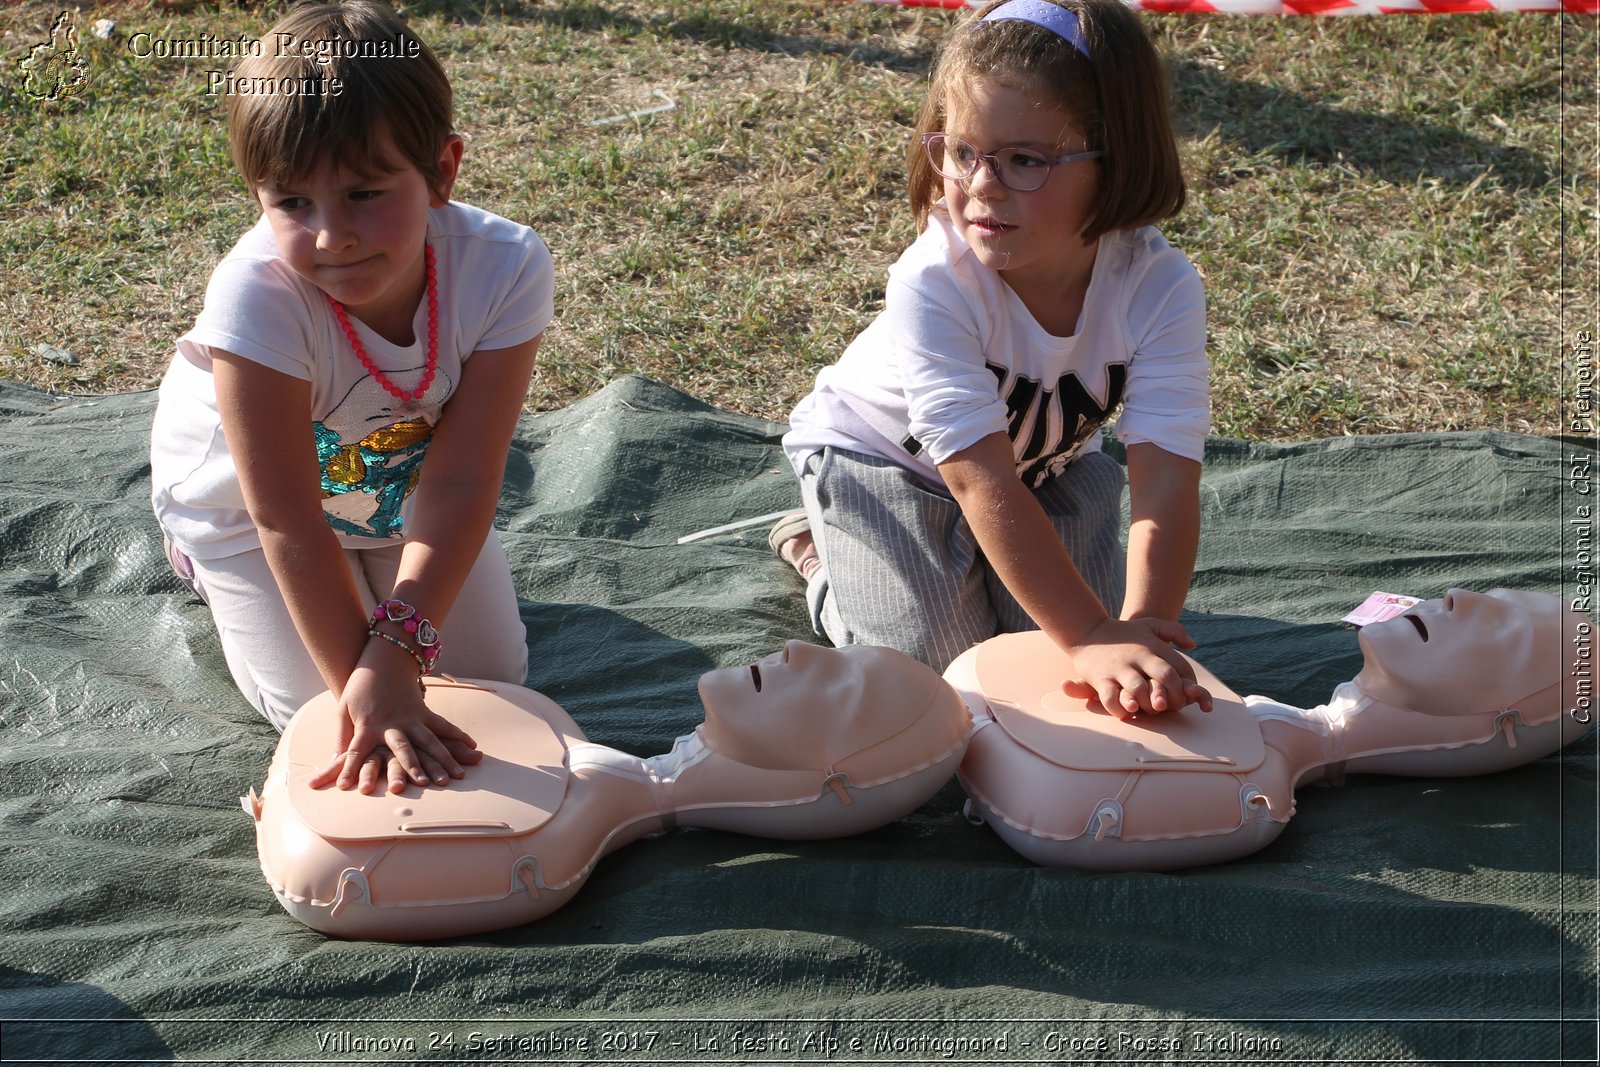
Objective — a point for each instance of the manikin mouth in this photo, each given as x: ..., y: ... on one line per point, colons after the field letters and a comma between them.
x: 755, y: 674
x: 1422, y: 628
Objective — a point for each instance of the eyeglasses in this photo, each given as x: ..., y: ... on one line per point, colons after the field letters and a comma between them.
x: 1020, y: 169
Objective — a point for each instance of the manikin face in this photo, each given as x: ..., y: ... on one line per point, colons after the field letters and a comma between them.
x: 806, y: 707
x: 1466, y: 654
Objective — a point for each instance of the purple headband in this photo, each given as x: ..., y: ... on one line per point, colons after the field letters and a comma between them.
x: 1053, y: 17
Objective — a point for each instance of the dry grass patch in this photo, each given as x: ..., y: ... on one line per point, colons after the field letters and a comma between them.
x: 1395, y: 216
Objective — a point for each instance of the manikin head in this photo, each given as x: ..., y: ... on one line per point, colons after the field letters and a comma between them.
x: 1467, y: 653
x: 807, y: 707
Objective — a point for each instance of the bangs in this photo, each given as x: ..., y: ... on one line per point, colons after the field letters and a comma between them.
x: 284, y: 143
x: 357, y: 108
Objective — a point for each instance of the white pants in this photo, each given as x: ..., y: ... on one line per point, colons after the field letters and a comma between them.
x: 483, y: 636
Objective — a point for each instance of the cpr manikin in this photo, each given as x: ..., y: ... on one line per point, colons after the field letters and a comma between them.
x: 814, y: 743
x: 1467, y: 684
x: 807, y: 743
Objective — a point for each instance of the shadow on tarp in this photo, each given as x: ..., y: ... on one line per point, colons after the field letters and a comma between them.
x: 1347, y: 917
x: 43, y: 1020
x: 627, y: 685
x: 1303, y: 929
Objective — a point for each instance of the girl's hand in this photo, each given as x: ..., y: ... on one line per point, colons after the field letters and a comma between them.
x: 381, y: 765
x: 1126, y: 666
x: 387, y: 726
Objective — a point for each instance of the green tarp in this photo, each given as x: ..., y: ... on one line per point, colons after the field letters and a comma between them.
x: 1394, y: 920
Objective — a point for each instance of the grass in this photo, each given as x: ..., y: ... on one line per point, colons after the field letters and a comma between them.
x: 1395, y: 217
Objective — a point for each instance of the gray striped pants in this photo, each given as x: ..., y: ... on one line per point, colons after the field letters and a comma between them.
x: 901, y: 567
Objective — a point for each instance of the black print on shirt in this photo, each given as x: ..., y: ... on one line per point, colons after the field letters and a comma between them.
x: 1056, y: 421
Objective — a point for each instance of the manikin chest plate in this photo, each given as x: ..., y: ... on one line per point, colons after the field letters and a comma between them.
x: 1020, y: 676
x: 514, y: 791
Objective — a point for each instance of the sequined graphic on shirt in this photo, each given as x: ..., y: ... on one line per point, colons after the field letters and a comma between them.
x: 369, y: 470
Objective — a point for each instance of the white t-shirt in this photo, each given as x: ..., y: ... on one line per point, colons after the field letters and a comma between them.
x: 495, y: 289
x: 956, y: 356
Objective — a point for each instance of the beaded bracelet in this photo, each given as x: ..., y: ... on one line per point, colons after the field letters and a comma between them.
x: 427, y: 638
x: 397, y: 643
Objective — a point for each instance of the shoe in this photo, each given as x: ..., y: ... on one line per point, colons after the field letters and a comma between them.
x: 787, y: 529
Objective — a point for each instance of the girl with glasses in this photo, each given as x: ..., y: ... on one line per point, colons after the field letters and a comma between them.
x: 950, y: 462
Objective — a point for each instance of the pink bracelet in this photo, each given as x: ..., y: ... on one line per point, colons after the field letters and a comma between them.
x: 427, y: 638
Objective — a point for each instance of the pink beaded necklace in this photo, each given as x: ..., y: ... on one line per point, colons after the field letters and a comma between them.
x: 433, y: 341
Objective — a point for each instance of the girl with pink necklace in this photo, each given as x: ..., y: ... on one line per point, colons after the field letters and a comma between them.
x: 331, y: 435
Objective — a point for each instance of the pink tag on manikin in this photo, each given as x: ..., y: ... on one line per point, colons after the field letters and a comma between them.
x: 1380, y: 606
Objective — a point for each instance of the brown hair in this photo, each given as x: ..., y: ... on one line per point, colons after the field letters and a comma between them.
x: 1118, y: 99
x: 373, y: 83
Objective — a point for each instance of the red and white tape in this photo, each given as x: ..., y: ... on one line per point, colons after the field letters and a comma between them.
x: 1324, y: 7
